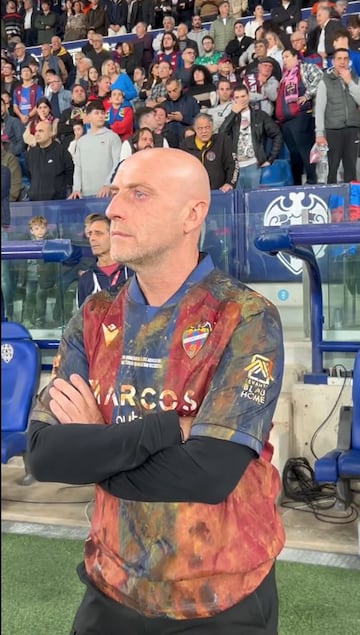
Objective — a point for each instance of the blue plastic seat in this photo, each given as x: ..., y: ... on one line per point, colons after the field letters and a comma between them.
x: 277, y: 175
x: 20, y: 368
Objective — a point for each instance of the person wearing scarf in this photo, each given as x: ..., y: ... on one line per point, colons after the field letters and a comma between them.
x: 293, y: 112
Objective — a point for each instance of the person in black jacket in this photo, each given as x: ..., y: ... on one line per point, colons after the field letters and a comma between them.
x: 214, y: 151
x: 236, y: 47
x: 49, y: 165
x: 287, y: 14
x: 106, y: 273
x: 249, y: 131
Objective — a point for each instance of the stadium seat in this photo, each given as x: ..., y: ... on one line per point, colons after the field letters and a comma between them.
x: 20, y: 368
x: 343, y: 463
x: 276, y: 175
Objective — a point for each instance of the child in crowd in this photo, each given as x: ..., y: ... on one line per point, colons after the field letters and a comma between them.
x: 78, y: 129
x: 119, y: 118
x: 38, y: 279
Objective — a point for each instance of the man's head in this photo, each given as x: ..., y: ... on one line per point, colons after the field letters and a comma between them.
x: 181, y: 31
x: 116, y: 97
x: 260, y: 48
x: 302, y: 26
x: 26, y: 74
x: 55, y: 43
x: 297, y: 40
x: 241, y: 97
x: 340, y: 7
x: 103, y: 84
x: 19, y: 51
x: 196, y: 23
x: 45, y: 50
x: 38, y: 227
x: 11, y: 7
x: 239, y: 29
x: 4, y: 108
x: 8, y: 71
x: 150, y: 230
x: 78, y: 95
x: 341, y: 39
x: 95, y: 113
x: 160, y: 117
x: 224, y: 9
x: 140, y: 29
x: 203, y: 126
x: 323, y: 15
x: 265, y: 67
x: 146, y: 118
x: 353, y: 26
x: 43, y: 133
x: 173, y: 88
x: 188, y: 56
x: 341, y: 60
x: 98, y: 233
x: 225, y: 66
x: 207, y: 44
x: 168, y: 24
x: 168, y: 42
x: 259, y: 12
x: 143, y: 139
x: 224, y: 91
x: 55, y: 84
x: 97, y: 42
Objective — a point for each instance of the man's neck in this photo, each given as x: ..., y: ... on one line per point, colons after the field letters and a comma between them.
x: 27, y: 83
x: 45, y: 145
x: 104, y: 260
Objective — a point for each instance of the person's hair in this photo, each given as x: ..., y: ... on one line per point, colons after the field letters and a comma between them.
x: 203, y: 115
x: 353, y: 21
x: 50, y: 71
x: 43, y: 100
x: 136, y: 136
x: 342, y: 50
x: 160, y: 107
x: 37, y: 220
x: 223, y: 80
x: 207, y: 75
x: 131, y: 47
x: 92, y: 218
x: 261, y: 41
x: 174, y: 39
x: 278, y: 42
x: 142, y: 112
x: 94, y: 105
x: 241, y: 87
x: 172, y: 79
x: 207, y: 37
x: 77, y: 122
x: 290, y: 49
x: 340, y: 33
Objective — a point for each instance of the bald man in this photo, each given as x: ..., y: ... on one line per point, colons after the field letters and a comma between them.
x: 165, y: 395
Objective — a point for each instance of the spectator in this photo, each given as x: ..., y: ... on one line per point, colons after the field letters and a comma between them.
x: 124, y: 83
x: 102, y: 92
x: 342, y: 40
x: 145, y: 118
x: 26, y: 96
x: 38, y: 278
x: 337, y: 116
x: 222, y: 488
x: 223, y: 108
x: 263, y: 87
x: 197, y: 33
x: 76, y: 112
x: 78, y: 131
x: 140, y: 83
x: 169, y: 51
x: 286, y: 15
x: 127, y: 59
x: 253, y: 25
x: 60, y: 99
x: 83, y: 65
x: 249, y: 131
x: 119, y: 118
x: 353, y: 26
x: 214, y: 151
x: 93, y: 77
x: 45, y: 23
x: 49, y: 165
x: 5, y: 203
x: 162, y: 128
x: 12, y: 128
x: 158, y: 92
x: 142, y: 42
x: 106, y: 273
x: 274, y: 47
x: 248, y: 55
x: 35, y: 75
x: 140, y: 11
x: 181, y: 108
x: 43, y: 113
x: 294, y: 113
x: 321, y: 38
x: 236, y: 47
x: 89, y: 44
x: 168, y: 27
x: 116, y: 15
x: 61, y: 53
x: 210, y: 57
x: 10, y: 161
x: 184, y: 42
x: 111, y: 69
x: 226, y: 71
x: 97, y: 154
x: 222, y: 29
x: 21, y: 58
x: 96, y: 19
x: 48, y: 61
x: 13, y: 21
x: 76, y: 22
x: 8, y: 79
x: 201, y: 87
x: 29, y: 14
x: 184, y: 73
x: 98, y: 55
x: 162, y: 9
x: 298, y: 43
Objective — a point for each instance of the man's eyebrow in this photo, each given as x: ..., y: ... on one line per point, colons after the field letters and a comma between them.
x: 133, y: 186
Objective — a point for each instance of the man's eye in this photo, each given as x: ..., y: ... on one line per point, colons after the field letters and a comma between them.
x: 139, y: 194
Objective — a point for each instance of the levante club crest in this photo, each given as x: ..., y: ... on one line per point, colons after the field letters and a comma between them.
x: 297, y: 208
x: 194, y: 338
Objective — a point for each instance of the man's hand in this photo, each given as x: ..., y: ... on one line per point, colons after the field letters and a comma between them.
x: 103, y: 192
x: 74, y: 195
x: 226, y: 188
x: 175, y: 116
x: 185, y: 424
x: 74, y: 402
x: 236, y: 107
x: 345, y: 75
x: 321, y: 141
x: 265, y: 164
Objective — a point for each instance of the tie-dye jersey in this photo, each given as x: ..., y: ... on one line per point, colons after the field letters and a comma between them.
x: 214, y: 351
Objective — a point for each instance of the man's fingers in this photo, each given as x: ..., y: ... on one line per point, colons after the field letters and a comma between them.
x: 82, y: 386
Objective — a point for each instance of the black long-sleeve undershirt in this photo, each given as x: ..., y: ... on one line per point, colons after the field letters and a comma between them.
x: 135, y: 463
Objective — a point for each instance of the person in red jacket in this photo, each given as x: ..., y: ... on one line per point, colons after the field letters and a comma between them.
x: 119, y: 118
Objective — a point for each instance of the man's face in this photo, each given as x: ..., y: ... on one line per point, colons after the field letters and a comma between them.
x: 56, y: 43
x: 225, y: 68
x: 203, y: 129
x: 104, y: 85
x: 341, y: 61
x: 188, y: 56
x: 208, y: 45
x: 98, y: 234
x: 196, y: 22
x: 96, y: 118
x: 38, y: 230
x: 241, y: 97
x: 45, y: 50
x: 173, y: 91
x: 78, y: 95
x: 340, y: 8
x: 265, y: 69
x: 224, y: 92
x: 19, y: 51
x: 224, y: 10
x: 297, y: 41
x: 97, y: 42
x: 239, y: 30
x: 8, y: 71
x: 11, y: 7
x: 140, y: 29
x: 259, y: 12
x: 43, y: 133
x: 182, y: 31
x: 260, y: 49
x: 168, y: 42
x: 25, y: 74
x: 303, y: 26
x: 145, y: 221
x: 55, y: 84
x: 148, y: 121
x: 168, y: 24
x: 160, y: 117
x: 146, y: 140
x: 354, y: 32
x: 321, y: 16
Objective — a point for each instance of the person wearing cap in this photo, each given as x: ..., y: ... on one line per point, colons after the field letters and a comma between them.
x: 236, y: 47
x: 226, y: 71
x: 97, y: 154
x: 249, y: 131
x: 222, y: 28
x: 263, y: 87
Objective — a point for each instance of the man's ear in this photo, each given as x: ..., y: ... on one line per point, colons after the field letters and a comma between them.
x: 197, y: 212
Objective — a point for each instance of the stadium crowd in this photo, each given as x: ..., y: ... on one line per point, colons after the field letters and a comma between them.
x: 237, y: 95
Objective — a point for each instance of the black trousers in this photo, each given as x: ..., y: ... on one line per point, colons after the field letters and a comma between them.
x: 299, y: 136
x: 257, y: 614
x: 342, y: 146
